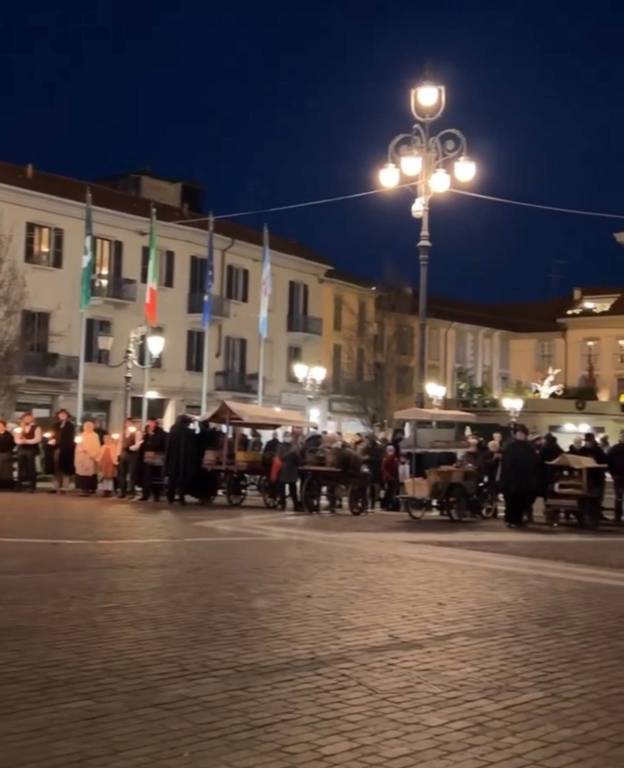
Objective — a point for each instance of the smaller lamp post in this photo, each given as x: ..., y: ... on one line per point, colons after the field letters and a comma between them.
x: 437, y: 393
x: 514, y: 406
x: 311, y: 377
x: 155, y: 341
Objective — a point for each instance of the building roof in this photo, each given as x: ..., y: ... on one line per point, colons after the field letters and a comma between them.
x: 26, y: 177
x: 341, y: 276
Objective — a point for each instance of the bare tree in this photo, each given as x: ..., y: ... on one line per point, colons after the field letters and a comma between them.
x: 12, y: 298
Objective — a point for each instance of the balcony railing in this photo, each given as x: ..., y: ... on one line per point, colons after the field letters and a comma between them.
x: 49, y: 365
x: 305, y: 324
x: 236, y: 381
x: 117, y: 288
x: 220, y: 305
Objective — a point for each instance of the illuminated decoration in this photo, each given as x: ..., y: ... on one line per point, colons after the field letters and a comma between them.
x: 595, y: 306
x: 547, y: 388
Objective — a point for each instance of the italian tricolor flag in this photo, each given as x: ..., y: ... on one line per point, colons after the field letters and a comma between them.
x: 151, y: 290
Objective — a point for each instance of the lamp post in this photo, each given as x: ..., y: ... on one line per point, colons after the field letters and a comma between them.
x: 155, y: 341
x: 311, y: 377
x: 437, y: 393
x: 514, y: 406
x: 421, y: 159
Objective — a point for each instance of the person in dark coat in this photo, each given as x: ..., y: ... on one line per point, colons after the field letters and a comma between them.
x: 390, y: 477
x: 153, y: 454
x: 373, y: 456
x: 181, y: 458
x: 100, y: 431
x: 7, y: 448
x: 64, y: 448
x: 129, y: 450
x: 519, y: 477
x: 290, y: 458
x: 615, y: 460
x: 596, y: 477
x: 550, y: 451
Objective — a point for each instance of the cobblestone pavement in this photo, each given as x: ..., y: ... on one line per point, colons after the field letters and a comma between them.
x: 134, y: 635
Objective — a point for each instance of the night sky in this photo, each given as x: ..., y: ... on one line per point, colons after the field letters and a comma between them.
x: 272, y: 103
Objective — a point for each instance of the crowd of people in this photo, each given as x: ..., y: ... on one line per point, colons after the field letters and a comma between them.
x: 159, y: 462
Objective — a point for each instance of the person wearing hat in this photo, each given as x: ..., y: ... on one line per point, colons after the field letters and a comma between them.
x: 519, y: 476
x: 615, y: 460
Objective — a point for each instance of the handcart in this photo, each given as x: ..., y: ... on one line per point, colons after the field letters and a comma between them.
x: 576, y: 486
x: 335, y: 473
x: 235, y: 471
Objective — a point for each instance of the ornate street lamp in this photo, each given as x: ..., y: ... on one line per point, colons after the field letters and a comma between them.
x: 437, y: 393
x: 514, y: 406
x: 311, y: 377
x: 422, y: 159
x: 155, y: 340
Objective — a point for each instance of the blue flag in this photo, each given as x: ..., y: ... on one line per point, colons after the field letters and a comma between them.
x: 208, y: 283
x: 265, y: 286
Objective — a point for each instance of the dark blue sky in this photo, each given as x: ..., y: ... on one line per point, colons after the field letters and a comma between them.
x: 271, y: 103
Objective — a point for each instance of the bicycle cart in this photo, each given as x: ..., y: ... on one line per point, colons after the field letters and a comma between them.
x: 236, y: 472
x: 435, y: 443
x: 575, y: 485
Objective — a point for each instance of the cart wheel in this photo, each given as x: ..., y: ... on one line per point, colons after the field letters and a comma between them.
x: 415, y: 508
x: 490, y: 505
x: 267, y: 491
x: 358, y: 501
x: 589, y: 513
x: 311, y: 495
x: 236, y: 489
x: 456, y: 502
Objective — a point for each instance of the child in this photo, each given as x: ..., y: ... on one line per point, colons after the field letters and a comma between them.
x: 108, y: 466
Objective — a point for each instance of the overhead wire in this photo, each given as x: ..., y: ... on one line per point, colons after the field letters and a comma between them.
x: 368, y: 193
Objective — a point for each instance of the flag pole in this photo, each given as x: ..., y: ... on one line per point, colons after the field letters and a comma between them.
x: 207, y: 316
x: 151, y: 308
x: 81, y: 367
x: 265, y: 289
x: 85, y: 298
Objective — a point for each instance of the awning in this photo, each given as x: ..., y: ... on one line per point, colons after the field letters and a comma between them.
x: 433, y: 414
x: 259, y: 416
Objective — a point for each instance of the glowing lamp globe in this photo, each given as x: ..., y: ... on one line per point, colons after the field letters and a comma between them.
x: 389, y: 176
x: 418, y: 206
x: 411, y: 164
x: 427, y: 95
x: 465, y: 169
x: 155, y: 343
x: 440, y: 181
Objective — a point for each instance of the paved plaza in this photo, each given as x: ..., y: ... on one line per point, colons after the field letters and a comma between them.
x: 143, y: 635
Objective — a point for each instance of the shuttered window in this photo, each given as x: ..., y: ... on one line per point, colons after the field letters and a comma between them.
x: 237, y: 283
x: 194, y: 351
x: 165, y: 267
x: 44, y: 245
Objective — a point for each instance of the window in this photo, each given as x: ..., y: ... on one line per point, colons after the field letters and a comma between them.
x: 236, y: 284
x: 293, y: 355
x: 44, y: 246
x: 96, y: 328
x: 337, y: 367
x: 165, y: 266
x: 154, y: 362
x: 504, y: 354
x: 235, y: 354
x: 108, y: 260
x: 35, y: 331
x: 619, y: 352
x: 405, y: 340
x: 590, y: 354
x: 380, y: 338
x: 545, y: 354
x: 338, y: 313
x: 433, y: 346
x: 360, y: 363
x: 195, y: 351
x: 297, y: 299
x: 404, y: 380
x: 361, y: 318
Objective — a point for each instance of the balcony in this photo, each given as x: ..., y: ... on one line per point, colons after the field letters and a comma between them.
x: 49, y: 365
x: 220, y: 305
x: 114, y: 288
x: 236, y: 381
x: 305, y: 324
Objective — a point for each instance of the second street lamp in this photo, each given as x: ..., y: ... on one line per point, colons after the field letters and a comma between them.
x: 155, y: 342
x: 422, y: 159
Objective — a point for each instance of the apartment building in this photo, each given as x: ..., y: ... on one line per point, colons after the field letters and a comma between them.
x: 43, y: 215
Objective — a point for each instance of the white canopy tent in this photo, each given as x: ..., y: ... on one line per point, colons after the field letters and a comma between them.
x: 257, y: 416
x: 433, y: 414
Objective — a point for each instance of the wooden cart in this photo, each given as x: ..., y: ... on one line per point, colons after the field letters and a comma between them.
x: 576, y: 486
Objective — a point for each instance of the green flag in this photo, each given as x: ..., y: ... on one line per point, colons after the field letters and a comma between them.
x: 87, y: 257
